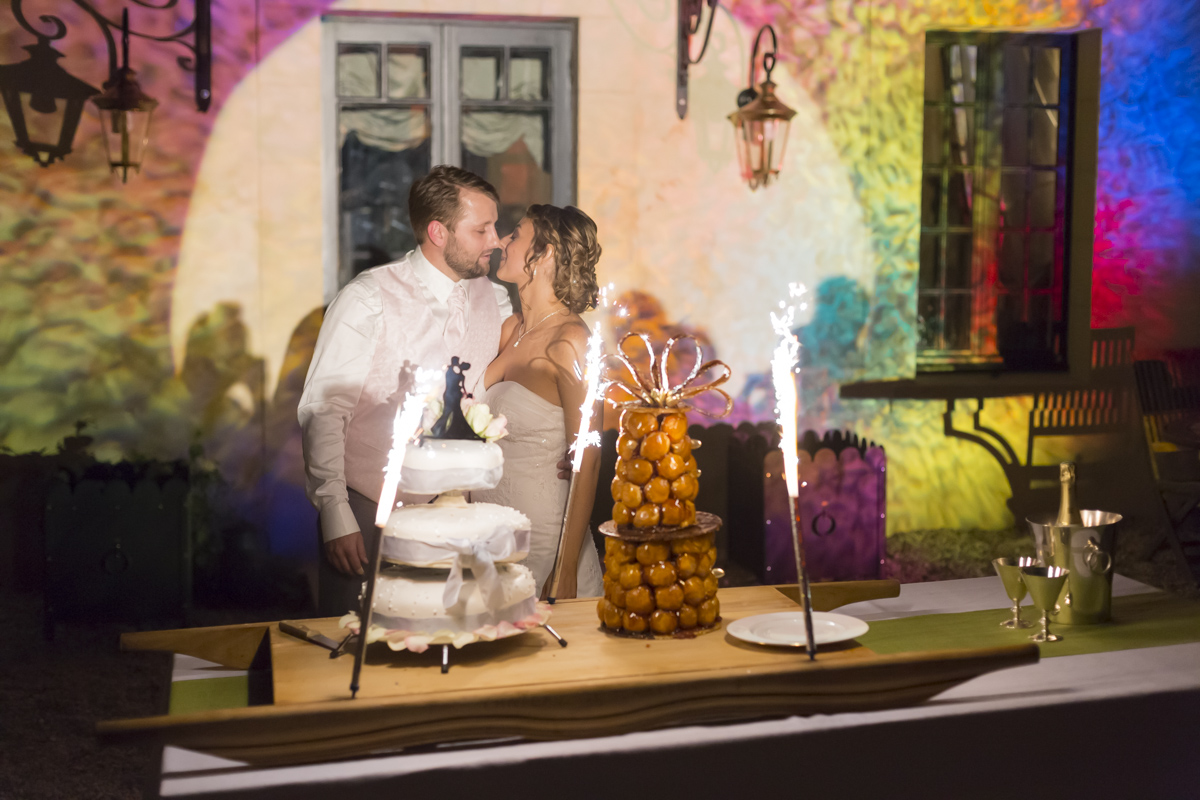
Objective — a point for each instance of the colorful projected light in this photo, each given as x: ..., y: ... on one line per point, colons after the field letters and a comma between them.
x: 761, y: 122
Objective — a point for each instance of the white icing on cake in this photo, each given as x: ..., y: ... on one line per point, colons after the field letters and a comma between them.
x: 444, y: 465
x: 416, y: 594
x: 451, y: 517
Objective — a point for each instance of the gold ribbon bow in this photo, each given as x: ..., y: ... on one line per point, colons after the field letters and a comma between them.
x: 653, y: 389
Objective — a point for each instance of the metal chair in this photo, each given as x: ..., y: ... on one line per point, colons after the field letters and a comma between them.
x: 1105, y: 405
x: 1169, y: 399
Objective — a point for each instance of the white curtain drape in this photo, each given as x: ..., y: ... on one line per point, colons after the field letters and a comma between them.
x: 484, y: 133
x: 391, y: 129
x: 487, y: 133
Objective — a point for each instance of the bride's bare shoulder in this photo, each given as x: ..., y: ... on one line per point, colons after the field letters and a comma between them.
x: 509, y: 328
x: 569, y: 347
x: 575, y: 331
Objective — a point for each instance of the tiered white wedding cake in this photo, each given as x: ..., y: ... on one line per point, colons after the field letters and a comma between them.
x: 451, y: 575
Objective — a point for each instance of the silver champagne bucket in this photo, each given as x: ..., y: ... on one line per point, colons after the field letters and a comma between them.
x: 1086, y: 551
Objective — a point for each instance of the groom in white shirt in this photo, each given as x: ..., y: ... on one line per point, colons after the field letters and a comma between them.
x: 434, y: 303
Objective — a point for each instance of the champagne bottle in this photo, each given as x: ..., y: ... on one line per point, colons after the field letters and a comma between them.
x: 1068, y: 509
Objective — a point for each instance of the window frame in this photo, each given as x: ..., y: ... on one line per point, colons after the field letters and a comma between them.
x: 1079, y: 65
x: 446, y: 35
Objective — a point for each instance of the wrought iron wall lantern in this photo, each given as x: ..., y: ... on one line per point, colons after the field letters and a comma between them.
x: 44, y: 101
x: 125, y: 112
x: 761, y: 122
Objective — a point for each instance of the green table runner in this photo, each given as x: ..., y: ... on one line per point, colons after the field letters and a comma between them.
x: 209, y: 694
x: 1142, y: 620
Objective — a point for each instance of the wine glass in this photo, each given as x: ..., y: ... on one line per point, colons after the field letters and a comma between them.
x: 1045, y: 584
x: 1009, y: 570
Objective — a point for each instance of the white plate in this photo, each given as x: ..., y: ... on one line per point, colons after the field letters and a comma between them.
x: 786, y: 628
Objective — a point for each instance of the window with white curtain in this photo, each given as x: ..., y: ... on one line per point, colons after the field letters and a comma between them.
x: 402, y: 93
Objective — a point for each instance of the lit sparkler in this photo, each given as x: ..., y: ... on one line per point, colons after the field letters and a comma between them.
x: 783, y: 371
x: 586, y: 437
x: 404, y: 428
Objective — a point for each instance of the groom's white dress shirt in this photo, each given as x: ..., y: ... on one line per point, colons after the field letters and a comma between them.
x: 355, y: 347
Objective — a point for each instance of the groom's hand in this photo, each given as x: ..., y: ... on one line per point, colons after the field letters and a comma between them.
x: 347, y: 554
x: 564, y: 468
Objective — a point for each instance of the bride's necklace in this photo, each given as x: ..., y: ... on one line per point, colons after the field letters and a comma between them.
x: 525, y: 332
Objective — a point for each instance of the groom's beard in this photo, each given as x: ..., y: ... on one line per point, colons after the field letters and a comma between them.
x: 459, y: 260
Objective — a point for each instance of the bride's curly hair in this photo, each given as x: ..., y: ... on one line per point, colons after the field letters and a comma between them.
x: 572, y: 234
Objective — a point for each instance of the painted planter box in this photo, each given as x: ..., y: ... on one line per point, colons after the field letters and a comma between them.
x: 843, y: 506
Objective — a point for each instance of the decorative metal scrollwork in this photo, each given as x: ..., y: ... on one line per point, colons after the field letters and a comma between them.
x: 196, y: 37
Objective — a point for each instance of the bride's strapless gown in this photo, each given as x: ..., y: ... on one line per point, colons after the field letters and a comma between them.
x: 535, y: 442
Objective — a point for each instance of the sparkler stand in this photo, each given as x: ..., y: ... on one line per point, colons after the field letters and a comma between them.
x: 559, y: 553
x: 556, y: 574
x: 802, y: 577
x: 364, y: 616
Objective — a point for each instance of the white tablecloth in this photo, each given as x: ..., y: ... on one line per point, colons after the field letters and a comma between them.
x: 1123, y: 724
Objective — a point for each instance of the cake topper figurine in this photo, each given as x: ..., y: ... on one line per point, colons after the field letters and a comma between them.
x: 452, y: 424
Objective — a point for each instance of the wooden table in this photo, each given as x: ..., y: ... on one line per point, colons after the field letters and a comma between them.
x: 1119, y: 724
x: 529, y: 687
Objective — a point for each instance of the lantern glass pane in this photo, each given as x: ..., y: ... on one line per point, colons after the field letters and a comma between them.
x: 757, y: 149
x: 781, y: 145
x: 125, y: 136
x: 742, y: 147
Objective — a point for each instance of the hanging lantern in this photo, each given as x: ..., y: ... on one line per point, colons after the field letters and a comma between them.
x: 761, y: 123
x: 44, y: 103
x: 125, y: 113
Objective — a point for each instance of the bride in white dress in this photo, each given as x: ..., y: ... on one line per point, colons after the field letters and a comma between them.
x: 536, y: 381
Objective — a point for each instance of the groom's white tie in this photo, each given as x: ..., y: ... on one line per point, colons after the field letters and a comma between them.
x: 456, y: 324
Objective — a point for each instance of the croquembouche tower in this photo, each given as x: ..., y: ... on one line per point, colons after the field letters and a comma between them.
x: 660, y: 578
